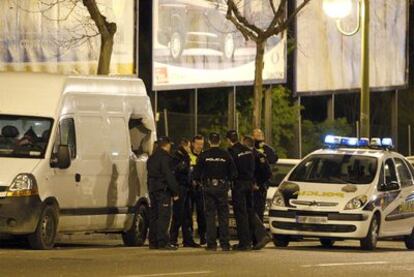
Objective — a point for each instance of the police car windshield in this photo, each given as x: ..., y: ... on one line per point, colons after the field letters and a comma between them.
x: 336, y: 169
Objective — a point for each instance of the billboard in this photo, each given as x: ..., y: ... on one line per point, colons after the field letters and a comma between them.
x: 329, y: 61
x: 59, y: 36
x: 194, y: 45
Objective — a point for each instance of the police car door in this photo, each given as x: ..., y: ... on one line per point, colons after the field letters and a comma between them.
x: 401, y: 218
x: 390, y: 198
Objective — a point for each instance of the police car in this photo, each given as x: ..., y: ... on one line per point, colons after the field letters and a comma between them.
x: 351, y: 189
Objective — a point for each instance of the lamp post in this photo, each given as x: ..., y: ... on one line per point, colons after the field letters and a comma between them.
x: 339, y: 9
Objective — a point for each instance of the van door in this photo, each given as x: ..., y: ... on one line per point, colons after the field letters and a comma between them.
x: 63, y: 181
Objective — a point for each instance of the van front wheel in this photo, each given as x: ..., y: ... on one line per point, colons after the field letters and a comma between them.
x: 44, y: 236
x: 280, y: 240
x: 137, y: 234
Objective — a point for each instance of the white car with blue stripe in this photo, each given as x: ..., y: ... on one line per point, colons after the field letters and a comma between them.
x: 351, y: 189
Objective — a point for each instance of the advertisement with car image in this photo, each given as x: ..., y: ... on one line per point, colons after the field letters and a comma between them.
x: 196, y: 46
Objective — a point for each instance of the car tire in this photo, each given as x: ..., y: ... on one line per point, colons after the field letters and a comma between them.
x: 370, y: 241
x: 409, y: 241
x: 45, y: 234
x: 281, y: 240
x: 137, y: 234
x: 228, y: 47
x: 327, y: 243
x: 176, y: 45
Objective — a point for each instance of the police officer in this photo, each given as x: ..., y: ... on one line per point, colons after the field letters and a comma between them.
x: 162, y: 186
x: 215, y: 169
x: 181, y: 207
x: 268, y: 153
x: 262, y: 174
x: 196, y: 193
x: 264, y: 148
x: 248, y: 223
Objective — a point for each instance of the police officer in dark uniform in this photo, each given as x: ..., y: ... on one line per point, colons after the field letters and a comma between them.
x: 215, y: 169
x: 265, y: 154
x: 196, y: 193
x: 162, y: 186
x: 182, y: 207
x: 262, y: 174
x: 248, y: 223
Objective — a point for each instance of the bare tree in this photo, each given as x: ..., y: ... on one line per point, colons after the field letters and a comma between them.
x: 86, y: 27
x: 107, y: 32
x: 259, y: 35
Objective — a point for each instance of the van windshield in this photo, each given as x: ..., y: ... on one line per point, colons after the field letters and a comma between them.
x: 24, y: 136
x: 336, y: 169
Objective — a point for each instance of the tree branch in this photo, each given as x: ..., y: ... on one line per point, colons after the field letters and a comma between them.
x: 234, y: 10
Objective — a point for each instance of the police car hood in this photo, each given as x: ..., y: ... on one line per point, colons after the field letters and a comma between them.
x: 322, y: 195
x: 11, y: 167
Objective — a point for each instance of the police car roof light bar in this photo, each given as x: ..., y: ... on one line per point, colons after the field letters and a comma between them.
x: 332, y: 141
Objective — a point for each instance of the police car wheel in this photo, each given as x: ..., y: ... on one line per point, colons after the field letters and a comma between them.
x: 370, y: 241
x: 280, y: 240
x: 409, y: 241
x: 327, y: 243
x: 137, y: 234
x: 44, y: 236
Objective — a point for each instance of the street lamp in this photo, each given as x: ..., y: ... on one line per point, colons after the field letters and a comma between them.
x: 339, y: 9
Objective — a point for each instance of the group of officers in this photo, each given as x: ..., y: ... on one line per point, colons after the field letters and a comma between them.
x: 191, y: 178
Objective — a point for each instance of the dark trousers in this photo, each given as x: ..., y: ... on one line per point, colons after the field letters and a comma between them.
x: 217, y: 207
x: 249, y: 226
x: 197, y: 204
x: 259, y: 201
x: 181, y: 217
x: 160, y: 215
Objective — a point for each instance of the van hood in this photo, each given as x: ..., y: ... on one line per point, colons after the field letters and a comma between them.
x: 11, y: 167
x: 321, y: 195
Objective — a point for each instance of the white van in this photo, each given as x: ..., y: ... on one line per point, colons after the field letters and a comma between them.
x: 348, y: 190
x: 73, y: 152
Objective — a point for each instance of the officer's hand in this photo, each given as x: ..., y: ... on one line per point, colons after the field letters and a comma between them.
x: 175, y: 198
x: 195, y: 184
x: 255, y: 187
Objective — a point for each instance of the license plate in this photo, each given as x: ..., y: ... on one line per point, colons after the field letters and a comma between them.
x: 311, y: 219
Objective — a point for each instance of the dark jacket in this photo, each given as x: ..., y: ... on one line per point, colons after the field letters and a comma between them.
x: 245, y: 162
x: 268, y: 151
x: 263, y: 171
x: 160, y: 172
x: 215, y: 163
x: 181, y: 164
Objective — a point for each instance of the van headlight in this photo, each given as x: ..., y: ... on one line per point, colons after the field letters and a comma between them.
x: 23, y: 185
x: 356, y: 202
x: 278, y: 200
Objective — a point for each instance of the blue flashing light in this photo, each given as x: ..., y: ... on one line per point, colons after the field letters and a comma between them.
x: 387, y: 142
x: 332, y: 140
x: 349, y: 141
x: 363, y: 142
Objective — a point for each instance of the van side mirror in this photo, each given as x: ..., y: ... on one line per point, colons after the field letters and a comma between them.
x: 61, y: 159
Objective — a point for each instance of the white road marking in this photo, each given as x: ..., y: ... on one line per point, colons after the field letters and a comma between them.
x: 345, y: 264
x: 172, y: 274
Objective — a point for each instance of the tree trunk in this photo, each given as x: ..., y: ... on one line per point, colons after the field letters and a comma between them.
x: 107, y: 31
x: 258, y: 84
x: 105, y: 54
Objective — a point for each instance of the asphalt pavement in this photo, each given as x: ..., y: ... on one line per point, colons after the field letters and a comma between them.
x: 108, y: 257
